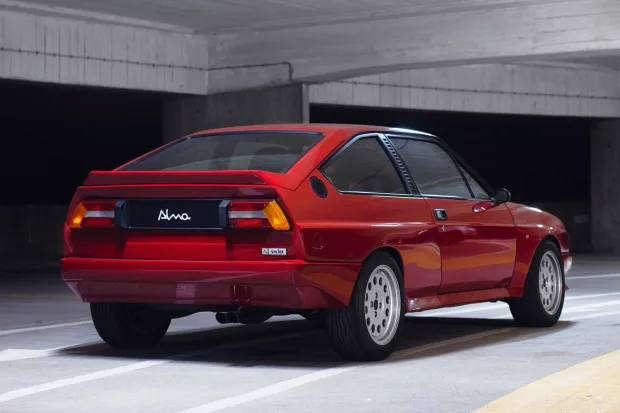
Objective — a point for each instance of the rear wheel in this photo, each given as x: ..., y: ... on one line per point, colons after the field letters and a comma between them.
x: 369, y: 327
x: 543, y: 298
x: 129, y: 325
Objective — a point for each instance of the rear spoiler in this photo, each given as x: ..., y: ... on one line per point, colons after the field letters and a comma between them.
x: 101, y: 178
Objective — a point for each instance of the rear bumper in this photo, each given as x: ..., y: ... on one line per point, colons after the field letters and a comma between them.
x: 291, y: 284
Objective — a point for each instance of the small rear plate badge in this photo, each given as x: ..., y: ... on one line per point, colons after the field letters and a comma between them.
x: 274, y: 251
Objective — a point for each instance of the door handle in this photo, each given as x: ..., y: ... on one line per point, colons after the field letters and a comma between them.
x: 440, y: 214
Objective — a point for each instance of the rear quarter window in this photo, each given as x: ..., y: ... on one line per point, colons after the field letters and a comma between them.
x: 264, y: 151
x: 364, y: 167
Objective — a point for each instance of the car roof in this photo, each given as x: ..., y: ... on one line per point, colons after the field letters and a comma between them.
x: 325, y: 128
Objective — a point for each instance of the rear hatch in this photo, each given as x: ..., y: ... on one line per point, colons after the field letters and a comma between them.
x: 192, y: 200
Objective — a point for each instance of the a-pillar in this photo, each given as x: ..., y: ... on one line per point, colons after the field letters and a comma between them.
x: 605, y: 185
x: 283, y: 104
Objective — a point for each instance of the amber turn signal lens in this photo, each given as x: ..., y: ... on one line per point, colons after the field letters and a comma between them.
x: 256, y: 214
x: 91, y: 214
x: 78, y: 216
x: 276, y: 217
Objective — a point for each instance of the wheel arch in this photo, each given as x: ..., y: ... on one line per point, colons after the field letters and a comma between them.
x: 526, y: 251
x: 393, y: 252
x: 551, y: 238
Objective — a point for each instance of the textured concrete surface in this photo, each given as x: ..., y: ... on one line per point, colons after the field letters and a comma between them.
x: 456, y: 360
x: 207, y: 47
x: 604, y: 188
x: 524, y: 89
x: 285, y: 104
x: 31, y: 236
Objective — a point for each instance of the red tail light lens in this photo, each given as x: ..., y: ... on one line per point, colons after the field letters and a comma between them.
x: 257, y: 214
x: 93, y: 214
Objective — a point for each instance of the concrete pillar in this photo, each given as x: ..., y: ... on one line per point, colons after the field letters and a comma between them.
x: 283, y: 104
x: 605, y: 185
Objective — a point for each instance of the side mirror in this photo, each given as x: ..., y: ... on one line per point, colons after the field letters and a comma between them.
x: 502, y: 196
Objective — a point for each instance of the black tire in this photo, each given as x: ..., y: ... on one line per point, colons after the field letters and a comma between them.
x: 129, y: 326
x: 316, y: 318
x: 347, y: 327
x: 529, y: 310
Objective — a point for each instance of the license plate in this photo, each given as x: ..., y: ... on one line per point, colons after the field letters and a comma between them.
x: 171, y: 214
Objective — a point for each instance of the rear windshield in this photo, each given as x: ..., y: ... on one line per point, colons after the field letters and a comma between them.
x: 264, y: 151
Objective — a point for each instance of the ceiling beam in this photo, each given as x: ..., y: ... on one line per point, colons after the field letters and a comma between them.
x: 352, y: 47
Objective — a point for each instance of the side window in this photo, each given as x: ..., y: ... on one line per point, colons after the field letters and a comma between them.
x: 432, y: 168
x: 477, y: 189
x: 364, y: 167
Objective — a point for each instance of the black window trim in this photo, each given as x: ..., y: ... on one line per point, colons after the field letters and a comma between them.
x: 320, y: 136
x: 410, y: 191
x: 460, y: 164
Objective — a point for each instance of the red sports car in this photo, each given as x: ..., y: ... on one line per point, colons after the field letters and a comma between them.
x: 348, y: 226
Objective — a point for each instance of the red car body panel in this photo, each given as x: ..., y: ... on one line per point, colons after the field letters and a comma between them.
x: 477, y: 249
x: 482, y: 253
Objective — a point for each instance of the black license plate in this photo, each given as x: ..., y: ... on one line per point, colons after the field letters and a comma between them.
x: 172, y: 214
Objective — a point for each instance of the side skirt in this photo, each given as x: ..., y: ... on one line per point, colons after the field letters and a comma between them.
x: 462, y: 298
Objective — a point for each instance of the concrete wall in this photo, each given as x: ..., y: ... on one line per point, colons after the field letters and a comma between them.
x: 285, y: 104
x: 605, y: 186
x: 492, y: 88
x: 31, y: 237
x: 70, y: 51
x: 120, y: 53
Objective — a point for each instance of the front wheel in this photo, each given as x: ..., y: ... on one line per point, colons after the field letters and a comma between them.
x: 129, y: 326
x: 369, y: 327
x: 543, y: 298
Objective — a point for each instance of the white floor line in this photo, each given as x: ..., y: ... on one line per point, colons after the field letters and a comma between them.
x: 592, y: 306
x: 585, y: 296
x: 46, y: 327
x: 13, y: 354
x: 473, y: 308
x: 576, y: 309
x: 286, y: 385
x: 57, y: 384
x: 590, y: 277
x: 595, y: 315
x: 466, y: 308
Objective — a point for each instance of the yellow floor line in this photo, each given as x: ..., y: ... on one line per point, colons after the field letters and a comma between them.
x: 40, y: 297
x: 588, y: 387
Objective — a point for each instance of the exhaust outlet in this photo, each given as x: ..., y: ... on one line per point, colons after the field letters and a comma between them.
x: 227, y: 318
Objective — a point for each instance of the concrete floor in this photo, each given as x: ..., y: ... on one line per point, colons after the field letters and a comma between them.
x: 450, y: 360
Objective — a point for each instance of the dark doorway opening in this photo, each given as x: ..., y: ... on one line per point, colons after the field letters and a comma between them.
x: 52, y: 137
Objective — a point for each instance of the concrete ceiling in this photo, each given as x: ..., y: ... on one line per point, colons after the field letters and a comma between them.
x: 278, y: 41
x: 216, y: 16
x: 610, y: 62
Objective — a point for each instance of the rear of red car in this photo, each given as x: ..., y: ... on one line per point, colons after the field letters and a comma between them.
x: 201, y: 221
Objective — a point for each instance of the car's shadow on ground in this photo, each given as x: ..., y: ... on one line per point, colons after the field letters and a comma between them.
x: 297, y: 344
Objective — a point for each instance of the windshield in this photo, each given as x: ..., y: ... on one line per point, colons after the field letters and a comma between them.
x: 264, y: 151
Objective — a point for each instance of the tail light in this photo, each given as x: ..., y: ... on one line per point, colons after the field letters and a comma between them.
x: 93, y: 214
x: 257, y: 214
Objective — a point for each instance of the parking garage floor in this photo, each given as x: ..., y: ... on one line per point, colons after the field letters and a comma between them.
x: 450, y: 360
